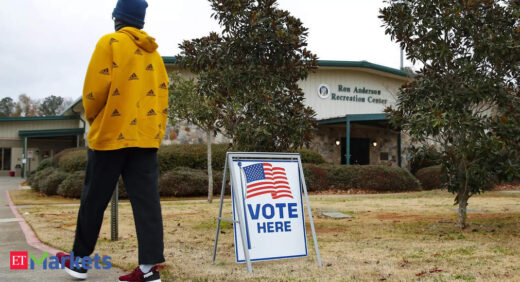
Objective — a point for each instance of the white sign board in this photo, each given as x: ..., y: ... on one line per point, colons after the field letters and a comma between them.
x: 29, y: 154
x: 270, y: 194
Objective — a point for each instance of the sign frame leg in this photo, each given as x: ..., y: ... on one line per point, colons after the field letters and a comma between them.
x: 309, y: 212
x: 219, y: 219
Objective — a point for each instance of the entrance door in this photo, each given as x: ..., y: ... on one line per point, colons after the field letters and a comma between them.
x: 359, y: 151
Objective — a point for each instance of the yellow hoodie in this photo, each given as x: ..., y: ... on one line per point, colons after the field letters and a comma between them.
x: 125, y: 95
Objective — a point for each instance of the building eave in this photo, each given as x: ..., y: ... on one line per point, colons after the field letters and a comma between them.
x: 18, y: 119
x: 71, y: 107
x: 353, y: 117
x: 172, y: 60
x: 51, y: 132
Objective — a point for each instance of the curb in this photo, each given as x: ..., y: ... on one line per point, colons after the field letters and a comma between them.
x: 30, y: 236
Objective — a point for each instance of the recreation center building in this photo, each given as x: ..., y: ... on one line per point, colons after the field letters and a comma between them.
x: 349, y: 98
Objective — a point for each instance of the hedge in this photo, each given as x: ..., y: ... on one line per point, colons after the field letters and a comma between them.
x: 183, y: 181
x: 370, y: 177
x: 49, y: 185
x: 170, y: 157
x: 73, y: 160
x: 191, y: 155
x: 72, y: 186
x: 45, y: 163
x: 316, y: 176
x: 431, y: 177
x: 311, y: 157
x: 37, y: 176
x: 424, y: 157
x: 183, y: 172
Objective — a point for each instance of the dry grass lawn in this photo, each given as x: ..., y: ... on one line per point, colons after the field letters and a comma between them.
x: 393, y: 237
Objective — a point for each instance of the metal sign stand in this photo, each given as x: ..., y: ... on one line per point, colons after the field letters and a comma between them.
x: 242, y: 156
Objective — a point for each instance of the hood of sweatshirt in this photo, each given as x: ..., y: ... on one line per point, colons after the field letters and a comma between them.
x: 140, y: 38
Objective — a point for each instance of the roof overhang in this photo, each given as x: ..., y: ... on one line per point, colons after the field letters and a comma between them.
x: 51, y: 132
x: 70, y: 109
x: 329, y: 64
x: 355, y: 117
x: 13, y: 119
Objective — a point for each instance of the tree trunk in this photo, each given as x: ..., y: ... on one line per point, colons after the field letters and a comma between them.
x: 463, y: 197
x: 210, y: 169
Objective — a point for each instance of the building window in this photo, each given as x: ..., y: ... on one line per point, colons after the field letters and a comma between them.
x: 5, y: 157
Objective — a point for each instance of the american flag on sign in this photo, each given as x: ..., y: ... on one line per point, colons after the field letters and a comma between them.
x: 263, y: 178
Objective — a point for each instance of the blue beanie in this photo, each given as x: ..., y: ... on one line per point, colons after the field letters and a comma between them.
x: 131, y: 12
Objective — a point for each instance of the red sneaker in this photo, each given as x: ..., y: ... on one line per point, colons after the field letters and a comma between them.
x: 76, y: 272
x: 138, y: 276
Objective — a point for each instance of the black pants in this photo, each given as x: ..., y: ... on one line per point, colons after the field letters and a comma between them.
x: 140, y: 170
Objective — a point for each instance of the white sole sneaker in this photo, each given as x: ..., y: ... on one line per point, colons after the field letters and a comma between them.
x: 75, y: 274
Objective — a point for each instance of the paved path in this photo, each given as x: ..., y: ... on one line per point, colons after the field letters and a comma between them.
x: 12, y: 238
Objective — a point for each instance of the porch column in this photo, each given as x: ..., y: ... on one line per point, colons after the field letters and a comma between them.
x: 347, y: 143
x: 24, y: 156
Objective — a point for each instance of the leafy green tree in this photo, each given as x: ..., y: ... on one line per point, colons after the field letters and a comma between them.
x: 250, y: 73
x: 465, y: 99
x: 7, y: 107
x: 186, y: 104
x: 51, y: 106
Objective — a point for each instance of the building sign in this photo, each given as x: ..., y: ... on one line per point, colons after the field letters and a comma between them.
x: 271, y: 198
x: 353, y: 94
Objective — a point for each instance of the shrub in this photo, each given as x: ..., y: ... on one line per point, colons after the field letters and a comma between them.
x: 379, y: 178
x: 431, y: 177
x: 316, y: 177
x: 35, y: 177
x: 45, y: 163
x: 49, y: 184
x: 183, y: 181
x: 311, y: 157
x: 191, y: 156
x: 73, y: 160
x: 56, y: 158
x: 424, y: 157
x: 72, y: 186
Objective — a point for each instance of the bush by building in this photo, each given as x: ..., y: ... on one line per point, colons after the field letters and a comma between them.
x: 170, y: 157
x: 431, y: 177
x: 45, y: 163
x: 192, y: 156
x: 183, y: 181
x: 377, y: 178
x: 311, y: 157
x: 37, y: 176
x: 49, y: 185
x: 424, y: 157
x: 316, y: 177
x: 72, y: 186
x: 73, y: 160
x: 183, y: 173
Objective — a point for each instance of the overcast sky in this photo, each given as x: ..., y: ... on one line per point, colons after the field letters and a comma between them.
x: 47, y: 44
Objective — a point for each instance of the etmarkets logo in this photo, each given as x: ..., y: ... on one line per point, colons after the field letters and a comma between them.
x: 24, y: 260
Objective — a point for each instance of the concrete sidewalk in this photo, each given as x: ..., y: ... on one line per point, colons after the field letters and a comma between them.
x: 12, y: 238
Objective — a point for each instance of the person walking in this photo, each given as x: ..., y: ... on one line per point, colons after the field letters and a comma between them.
x: 125, y: 97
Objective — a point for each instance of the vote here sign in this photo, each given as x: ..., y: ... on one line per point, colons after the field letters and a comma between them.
x: 270, y: 197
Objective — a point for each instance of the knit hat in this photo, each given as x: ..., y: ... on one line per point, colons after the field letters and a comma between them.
x: 131, y: 12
